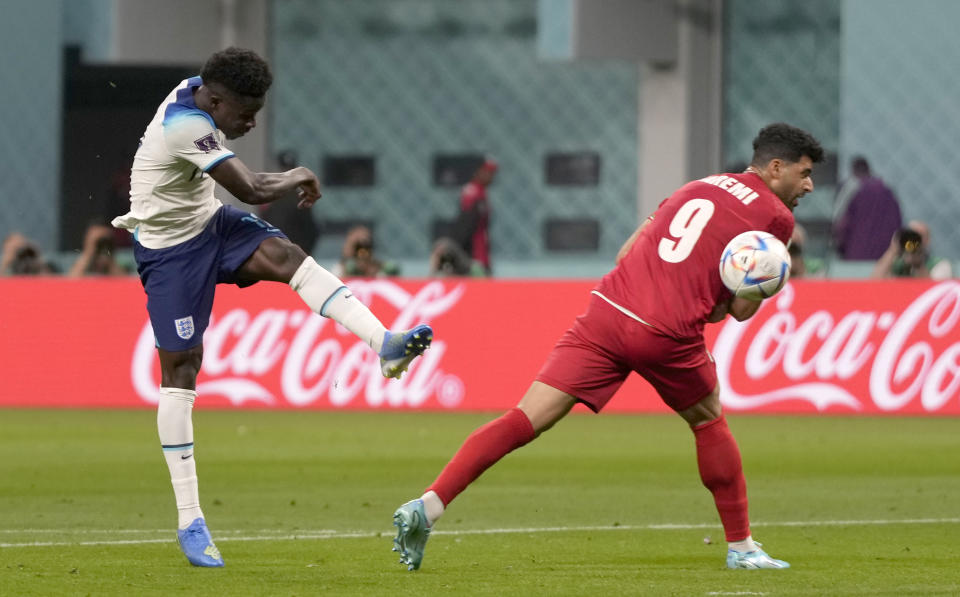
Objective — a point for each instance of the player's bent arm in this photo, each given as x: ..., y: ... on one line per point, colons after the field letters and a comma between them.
x: 743, y: 309
x: 256, y: 188
x: 633, y: 238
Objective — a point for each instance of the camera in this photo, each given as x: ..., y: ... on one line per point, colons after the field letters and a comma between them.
x: 27, y: 261
x: 104, y: 246
x: 910, y: 240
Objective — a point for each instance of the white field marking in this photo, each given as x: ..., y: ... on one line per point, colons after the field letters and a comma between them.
x: 734, y: 593
x: 285, y: 535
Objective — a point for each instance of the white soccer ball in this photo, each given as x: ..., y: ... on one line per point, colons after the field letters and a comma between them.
x: 755, y: 265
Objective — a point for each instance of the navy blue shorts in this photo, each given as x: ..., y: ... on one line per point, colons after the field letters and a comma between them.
x: 180, y: 280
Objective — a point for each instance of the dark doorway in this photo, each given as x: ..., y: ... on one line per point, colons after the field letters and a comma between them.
x: 106, y: 109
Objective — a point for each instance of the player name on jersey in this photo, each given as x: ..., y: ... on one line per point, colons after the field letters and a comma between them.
x: 732, y: 186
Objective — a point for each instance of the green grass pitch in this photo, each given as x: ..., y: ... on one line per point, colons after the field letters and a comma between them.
x: 300, y: 503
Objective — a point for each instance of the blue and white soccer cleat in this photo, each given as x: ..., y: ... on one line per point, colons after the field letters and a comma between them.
x: 412, y: 533
x: 197, y: 545
x: 753, y: 560
x: 399, y: 348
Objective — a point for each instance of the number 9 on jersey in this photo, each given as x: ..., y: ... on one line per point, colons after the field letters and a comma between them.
x: 755, y: 265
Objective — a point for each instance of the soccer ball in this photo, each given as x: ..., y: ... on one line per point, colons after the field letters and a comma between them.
x: 755, y: 265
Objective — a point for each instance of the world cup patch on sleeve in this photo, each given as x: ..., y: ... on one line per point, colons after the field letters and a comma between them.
x: 185, y: 327
x: 207, y: 143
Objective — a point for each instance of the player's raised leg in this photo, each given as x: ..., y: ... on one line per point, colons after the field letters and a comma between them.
x: 278, y: 259
x: 540, y: 408
x: 327, y: 295
x: 721, y: 470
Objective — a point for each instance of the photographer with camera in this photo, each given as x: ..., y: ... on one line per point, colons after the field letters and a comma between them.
x: 97, y: 258
x: 22, y: 257
x: 908, y: 256
x: 357, y: 258
x: 449, y: 259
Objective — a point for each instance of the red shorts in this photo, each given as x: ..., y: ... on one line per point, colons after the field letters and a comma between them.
x: 593, y: 358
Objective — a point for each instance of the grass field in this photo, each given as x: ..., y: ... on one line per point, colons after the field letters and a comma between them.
x: 301, y: 504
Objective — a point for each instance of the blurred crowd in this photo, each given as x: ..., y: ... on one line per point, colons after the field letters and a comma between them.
x: 24, y: 257
x: 868, y: 228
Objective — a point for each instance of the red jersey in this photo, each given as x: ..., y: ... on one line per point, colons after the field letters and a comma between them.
x: 474, y: 198
x: 670, y: 278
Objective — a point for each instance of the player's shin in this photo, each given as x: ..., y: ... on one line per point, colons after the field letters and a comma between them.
x: 481, y: 450
x: 327, y: 295
x: 175, y: 428
x: 721, y: 470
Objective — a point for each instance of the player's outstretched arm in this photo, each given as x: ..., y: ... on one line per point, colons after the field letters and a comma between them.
x: 256, y: 188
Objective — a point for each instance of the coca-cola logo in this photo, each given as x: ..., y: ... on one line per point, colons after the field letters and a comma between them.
x: 904, y: 355
x: 297, y: 358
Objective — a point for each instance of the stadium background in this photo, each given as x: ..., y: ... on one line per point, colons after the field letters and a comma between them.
x: 677, y: 91
x: 595, y: 111
x: 300, y: 499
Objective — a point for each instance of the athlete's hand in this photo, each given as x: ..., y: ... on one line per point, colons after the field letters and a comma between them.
x: 719, y: 312
x: 308, y: 191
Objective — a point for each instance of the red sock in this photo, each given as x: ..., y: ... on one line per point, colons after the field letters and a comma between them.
x: 481, y: 450
x: 721, y: 471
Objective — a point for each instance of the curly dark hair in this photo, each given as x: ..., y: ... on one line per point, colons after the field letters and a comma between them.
x: 241, y: 71
x: 780, y: 140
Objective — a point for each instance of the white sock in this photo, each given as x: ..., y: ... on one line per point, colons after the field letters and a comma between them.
x: 325, y: 294
x: 747, y: 545
x: 432, y: 506
x: 175, y: 427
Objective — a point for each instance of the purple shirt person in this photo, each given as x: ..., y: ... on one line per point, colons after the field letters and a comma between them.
x: 870, y: 218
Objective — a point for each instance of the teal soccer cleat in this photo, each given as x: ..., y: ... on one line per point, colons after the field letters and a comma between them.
x: 402, y: 347
x: 197, y: 545
x: 412, y: 533
x: 753, y: 560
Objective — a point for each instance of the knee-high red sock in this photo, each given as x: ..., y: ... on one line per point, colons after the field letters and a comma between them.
x: 481, y: 450
x: 721, y: 471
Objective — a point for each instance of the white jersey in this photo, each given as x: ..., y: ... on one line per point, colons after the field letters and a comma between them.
x: 171, y: 196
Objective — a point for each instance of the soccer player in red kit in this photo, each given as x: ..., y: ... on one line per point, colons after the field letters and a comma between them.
x: 647, y: 315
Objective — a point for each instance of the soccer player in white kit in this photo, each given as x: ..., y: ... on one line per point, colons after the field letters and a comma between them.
x: 187, y: 242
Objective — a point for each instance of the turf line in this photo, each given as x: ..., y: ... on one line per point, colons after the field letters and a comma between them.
x: 267, y: 535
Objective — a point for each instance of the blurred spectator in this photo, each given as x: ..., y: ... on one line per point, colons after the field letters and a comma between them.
x: 908, y: 256
x: 97, y: 257
x: 357, y: 258
x: 298, y: 224
x: 869, y: 214
x: 471, y: 229
x: 449, y: 259
x: 22, y: 257
x: 801, y: 265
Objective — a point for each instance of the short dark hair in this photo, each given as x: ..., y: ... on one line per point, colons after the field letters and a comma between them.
x: 860, y: 166
x: 239, y: 70
x: 785, y: 142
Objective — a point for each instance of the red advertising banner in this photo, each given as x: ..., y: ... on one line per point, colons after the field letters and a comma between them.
x: 854, y: 347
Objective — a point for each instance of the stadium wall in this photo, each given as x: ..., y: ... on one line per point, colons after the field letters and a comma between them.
x: 30, y: 107
x: 851, y: 348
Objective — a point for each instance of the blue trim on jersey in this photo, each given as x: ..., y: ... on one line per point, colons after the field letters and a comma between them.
x: 330, y: 298
x: 185, y: 104
x: 217, y: 161
x: 177, y: 447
